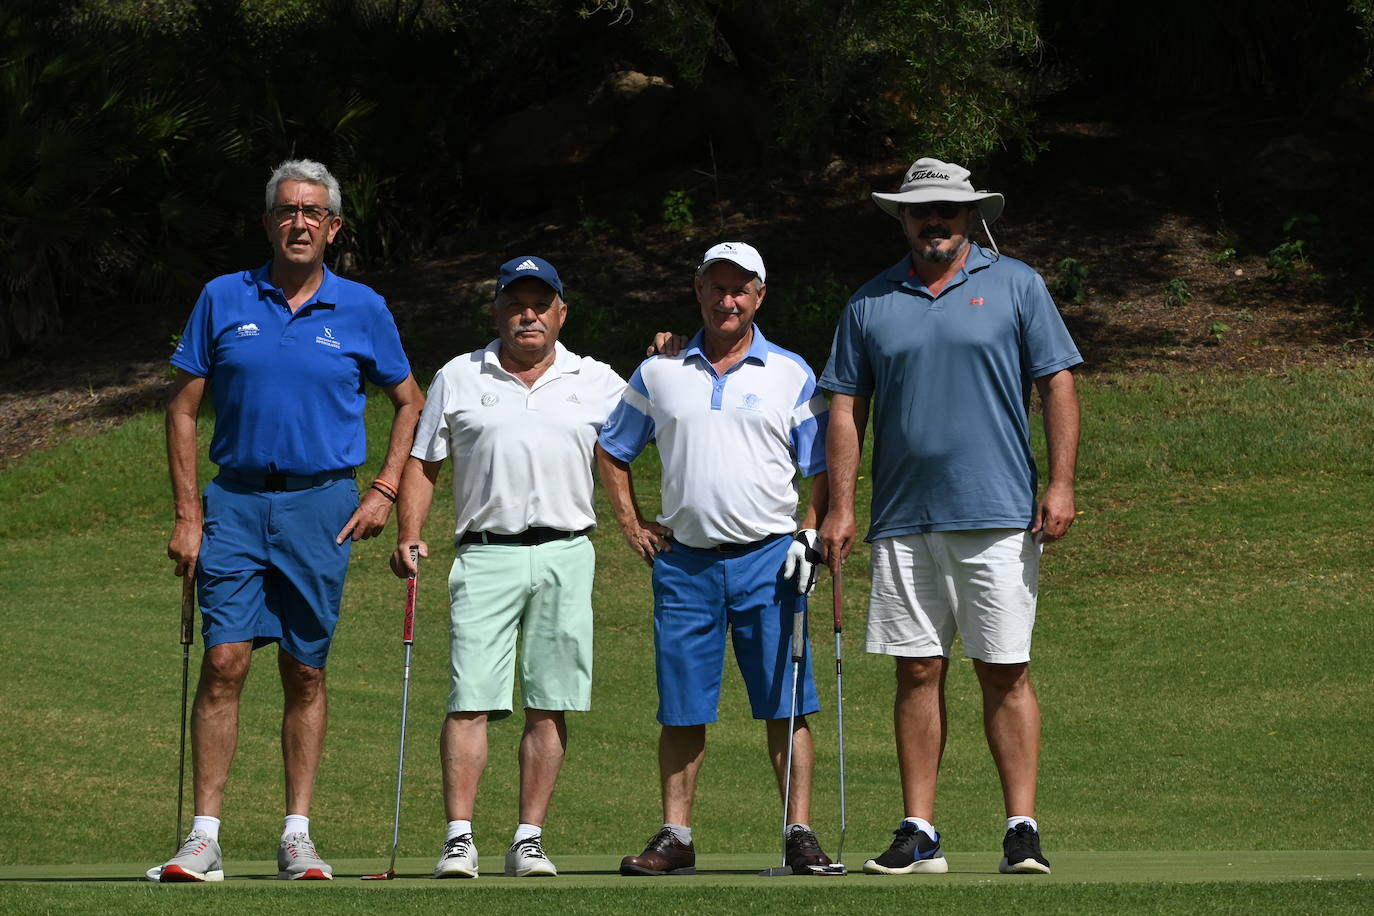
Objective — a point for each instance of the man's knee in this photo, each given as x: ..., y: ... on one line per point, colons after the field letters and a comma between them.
x: 915, y: 674
x: 301, y: 682
x: 1002, y: 679
x: 223, y: 670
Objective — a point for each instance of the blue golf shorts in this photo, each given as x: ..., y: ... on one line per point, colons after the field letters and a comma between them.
x: 269, y: 569
x: 697, y: 595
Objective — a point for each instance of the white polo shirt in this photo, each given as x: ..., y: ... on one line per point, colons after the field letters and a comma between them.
x: 731, y: 444
x: 522, y: 456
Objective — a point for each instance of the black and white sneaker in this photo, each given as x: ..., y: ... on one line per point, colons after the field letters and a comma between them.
x: 1021, y: 852
x: 459, y: 858
x: 912, y: 852
x: 526, y: 859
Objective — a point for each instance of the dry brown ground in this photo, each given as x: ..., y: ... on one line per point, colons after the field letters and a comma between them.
x: 1137, y: 203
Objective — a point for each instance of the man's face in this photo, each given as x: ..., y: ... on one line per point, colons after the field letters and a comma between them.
x: 937, y: 232
x: 296, y: 237
x: 729, y: 296
x: 529, y: 315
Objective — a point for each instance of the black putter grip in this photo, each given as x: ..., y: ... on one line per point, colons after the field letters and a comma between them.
x: 188, y: 606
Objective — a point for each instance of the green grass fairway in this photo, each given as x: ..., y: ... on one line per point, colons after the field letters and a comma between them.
x: 1201, y: 655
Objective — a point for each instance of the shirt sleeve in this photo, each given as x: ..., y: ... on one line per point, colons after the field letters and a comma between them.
x: 389, y: 365
x: 848, y: 370
x: 431, y: 434
x: 810, y: 419
x: 195, y: 350
x: 1046, y: 346
x: 630, y: 426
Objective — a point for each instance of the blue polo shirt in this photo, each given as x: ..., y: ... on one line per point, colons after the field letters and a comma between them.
x: 288, y: 389
x: 950, y: 379
x: 731, y: 444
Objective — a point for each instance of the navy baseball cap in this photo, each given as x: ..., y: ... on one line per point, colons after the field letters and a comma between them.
x: 528, y: 266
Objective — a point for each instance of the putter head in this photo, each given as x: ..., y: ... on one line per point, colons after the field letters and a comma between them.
x: 834, y: 870
x: 777, y: 871
x: 387, y: 875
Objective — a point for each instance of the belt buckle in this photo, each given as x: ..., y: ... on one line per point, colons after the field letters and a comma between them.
x: 274, y: 483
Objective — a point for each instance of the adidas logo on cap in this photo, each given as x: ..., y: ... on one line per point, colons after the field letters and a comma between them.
x: 527, y: 264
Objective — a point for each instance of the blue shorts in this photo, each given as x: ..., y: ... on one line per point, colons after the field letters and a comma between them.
x: 697, y: 594
x: 269, y: 569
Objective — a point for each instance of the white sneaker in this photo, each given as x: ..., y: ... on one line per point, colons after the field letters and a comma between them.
x: 526, y: 859
x: 459, y: 858
x: 198, y: 860
x: 297, y: 860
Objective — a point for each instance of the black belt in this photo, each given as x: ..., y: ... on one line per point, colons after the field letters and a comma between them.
x: 744, y: 548
x: 530, y: 537
x: 278, y: 483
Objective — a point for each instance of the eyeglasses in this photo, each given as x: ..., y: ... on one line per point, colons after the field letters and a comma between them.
x: 286, y: 213
x: 944, y: 209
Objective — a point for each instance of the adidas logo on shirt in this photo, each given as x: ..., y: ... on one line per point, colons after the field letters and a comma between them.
x: 527, y: 264
x: 572, y: 399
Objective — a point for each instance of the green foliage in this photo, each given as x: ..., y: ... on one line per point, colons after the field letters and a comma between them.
x: 1070, y: 280
x: 1218, y: 330
x: 677, y: 210
x: 1177, y: 292
x: 1226, y: 254
x: 1293, y: 254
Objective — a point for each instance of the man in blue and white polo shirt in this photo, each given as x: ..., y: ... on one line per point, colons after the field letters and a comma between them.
x: 950, y: 341
x: 519, y: 418
x: 285, y: 352
x: 735, y: 418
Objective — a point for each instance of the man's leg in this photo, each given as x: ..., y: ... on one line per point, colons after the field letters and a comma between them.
x: 920, y: 725
x: 305, y: 715
x: 215, y: 721
x: 542, y: 749
x: 1011, y: 719
x: 681, y: 750
x: 803, y: 765
x: 463, y: 757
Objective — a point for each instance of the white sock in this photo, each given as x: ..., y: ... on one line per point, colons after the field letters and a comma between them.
x: 1022, y: 819
x: 683, y: 834
x: 525, y: 831
x: 921, y: 824
x: 295, y: 823
x: 791, y: 827
x: 208, y: 825
x: 457, y: 828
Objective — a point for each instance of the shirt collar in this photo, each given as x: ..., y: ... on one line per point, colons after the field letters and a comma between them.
x: 564, y: 360
x: 903, y: 273
x: 758, y: 347
x: 326, y: 295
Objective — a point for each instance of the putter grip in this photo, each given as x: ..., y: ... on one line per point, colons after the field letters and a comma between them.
x: 798, y: 635
x: 408, y: 625
x: 837, y: 594
x: 188, y: 607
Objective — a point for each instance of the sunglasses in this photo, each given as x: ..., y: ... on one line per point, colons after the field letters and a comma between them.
x: 286, y: 213
x: 944, y: 209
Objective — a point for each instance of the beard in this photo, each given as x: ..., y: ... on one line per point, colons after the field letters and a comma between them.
x: 929, y: 251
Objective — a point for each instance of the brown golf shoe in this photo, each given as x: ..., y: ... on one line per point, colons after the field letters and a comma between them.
x: 804, y: 851
x: 663, y: 855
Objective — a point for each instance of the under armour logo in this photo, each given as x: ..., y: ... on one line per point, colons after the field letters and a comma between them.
x: 978, y: 301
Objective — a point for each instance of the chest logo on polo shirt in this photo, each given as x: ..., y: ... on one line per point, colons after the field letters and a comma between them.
x: 977, y: 301
x: 247, y: 330
x: 573, y: 399
x: 328, y: 339
x: 750, y: 401
x: 489, y: 399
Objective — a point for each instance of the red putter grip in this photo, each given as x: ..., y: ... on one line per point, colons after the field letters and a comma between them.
x: 408, y: 626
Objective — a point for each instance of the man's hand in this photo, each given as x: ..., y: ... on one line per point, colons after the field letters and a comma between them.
x: 837, y: 535
x: 648, y: 539
x: 666, y: 343
x: 1054, y: 514
x: 401, y: 563
x: 803, y: 560
x: 184, y: 545
x: 368, y: 520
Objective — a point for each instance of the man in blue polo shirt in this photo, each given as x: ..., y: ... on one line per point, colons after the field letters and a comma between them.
x: 735, y: 418
x: 950, y: 341
x: 285, y: 351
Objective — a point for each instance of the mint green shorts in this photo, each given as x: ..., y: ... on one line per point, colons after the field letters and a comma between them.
x: 543, y: 593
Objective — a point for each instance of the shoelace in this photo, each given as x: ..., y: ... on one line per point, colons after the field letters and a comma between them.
x: 458, y: 845
x: 300, y: 846
x: 803, y: 839
x: 531, y: 847
x: 195, y: 842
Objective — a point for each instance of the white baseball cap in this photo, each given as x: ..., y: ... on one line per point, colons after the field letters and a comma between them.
x: 740, y: 253
x: 930, y: 180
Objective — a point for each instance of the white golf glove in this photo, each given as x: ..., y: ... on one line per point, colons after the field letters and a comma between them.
x: 803, y: 560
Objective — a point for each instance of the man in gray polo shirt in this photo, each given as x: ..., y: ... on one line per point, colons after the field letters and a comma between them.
x: 520, y: 420
x: 950, y: 341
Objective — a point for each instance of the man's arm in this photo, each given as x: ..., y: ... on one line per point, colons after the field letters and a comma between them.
x: 412, y: 508
x: 1059, y: 398
x: 818, y: 505
x: 843, y: 442
x: 645, y: 538
x: 370, y: 517
x: 183, y: 463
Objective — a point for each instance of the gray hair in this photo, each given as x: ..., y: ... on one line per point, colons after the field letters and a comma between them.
x: 307, y: 170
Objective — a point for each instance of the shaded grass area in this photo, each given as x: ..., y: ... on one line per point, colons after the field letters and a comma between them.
x: 1200, y: 658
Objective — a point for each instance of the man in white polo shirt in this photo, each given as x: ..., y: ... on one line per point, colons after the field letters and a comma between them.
x: 735, y: 418
x: 520, y: 419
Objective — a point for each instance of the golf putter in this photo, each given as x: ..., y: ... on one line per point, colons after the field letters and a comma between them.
x: 798, y: 644
x: 837, y: 594
x: 188, y: 619
x: 407, y: 637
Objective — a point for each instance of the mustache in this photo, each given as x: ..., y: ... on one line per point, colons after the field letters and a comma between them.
x: 933, y: 232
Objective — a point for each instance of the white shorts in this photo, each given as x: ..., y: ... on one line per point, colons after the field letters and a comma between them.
x: 982, y: 583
